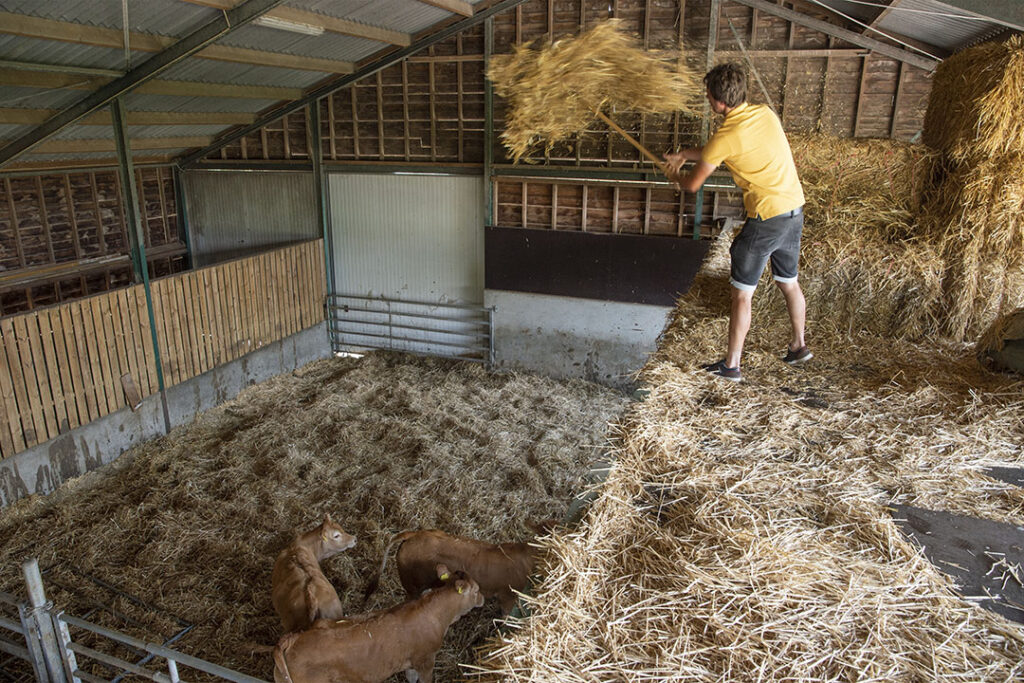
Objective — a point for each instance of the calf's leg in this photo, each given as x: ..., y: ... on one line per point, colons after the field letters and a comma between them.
x: 422, y: 669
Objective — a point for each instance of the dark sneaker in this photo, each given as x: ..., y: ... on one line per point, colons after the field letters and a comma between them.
x: 720, y: 369
x: 801, y: 355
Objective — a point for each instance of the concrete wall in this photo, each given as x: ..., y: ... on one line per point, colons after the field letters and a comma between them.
x: 600, y: 341
x: 43, y: 468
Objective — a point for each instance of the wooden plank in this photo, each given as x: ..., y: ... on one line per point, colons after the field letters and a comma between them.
x: 210, y: 358
x: 146, y: 338
x: 257, y: 303
x: 647, y: 210
x: 247, y: 308
x: 355, y: 120
x: 201, y: 322
x: 380, y: 116
x: 241, y: 333
x: 456, y: 6
x: 165, y: 333
x: 180, y: 325
x: 110, y: 383
x: 121, y: 347
x: 87, y: 362
x: 45, y: 219
x: 615, y: 209
x: 432, y: 95
x: 898, y: 99
x: 46, y: 373
x: 280, y: 311
x: 554, y: 206
x: 860, y: 95
x: 123, y: 301
x: 583, y: 213
x: 57, y: 370
x: 18, y: 247
x: 42, y: 426
x: 13, y: 440
x: 68, y: 356
x: 190, y: 321
x: 304, y: 285
x: 218, y: 334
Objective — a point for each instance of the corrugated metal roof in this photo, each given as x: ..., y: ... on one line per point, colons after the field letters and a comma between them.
x: 213, y: 71
x: 34, y: 98
x: 137, y: 102
x: 145, y: 16
x: 136, y: 132
x: 21, y: 49
x: 929, y: 22
x: 397, y: 15
x: 327, y: 46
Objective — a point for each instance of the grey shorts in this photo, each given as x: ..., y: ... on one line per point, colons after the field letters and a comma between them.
x: 777, y: 239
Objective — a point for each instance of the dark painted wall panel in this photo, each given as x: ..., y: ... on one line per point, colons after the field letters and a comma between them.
x: 643, y: 269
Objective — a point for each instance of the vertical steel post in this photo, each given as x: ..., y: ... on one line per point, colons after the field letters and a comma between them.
x: 315, y: 147
x: 41, y: 626
x: 184, y: 230
x: 130, y: 199
x: 67, y: 655
x: 705, y: 130
x: 488, y: 123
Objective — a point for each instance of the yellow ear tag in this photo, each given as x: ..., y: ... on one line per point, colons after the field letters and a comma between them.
x: 444, y: 577
x: 459, y: 590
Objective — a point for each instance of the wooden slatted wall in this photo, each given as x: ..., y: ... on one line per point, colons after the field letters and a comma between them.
x: 61, y: 367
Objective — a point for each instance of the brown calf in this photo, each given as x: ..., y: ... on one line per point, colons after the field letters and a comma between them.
x: 500, y: 569
x: 299, y: 590
x: 370, y: 648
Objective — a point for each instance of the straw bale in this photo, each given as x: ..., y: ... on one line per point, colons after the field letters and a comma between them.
x: 555, y: 90
x: 977, y: 98
x: 193, y: 521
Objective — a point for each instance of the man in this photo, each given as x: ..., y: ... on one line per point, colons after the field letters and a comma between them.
x: 754, y: 148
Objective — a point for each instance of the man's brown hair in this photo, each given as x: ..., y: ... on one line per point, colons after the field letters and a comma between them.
x: 727, y: 83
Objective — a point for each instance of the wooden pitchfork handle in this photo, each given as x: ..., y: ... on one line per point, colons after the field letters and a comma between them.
x: 629, y: 138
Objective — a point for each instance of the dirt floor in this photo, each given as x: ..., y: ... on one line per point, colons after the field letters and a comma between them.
x: 190, y: 523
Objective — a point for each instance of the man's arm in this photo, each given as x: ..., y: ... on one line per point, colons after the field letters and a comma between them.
x: 693, y: 180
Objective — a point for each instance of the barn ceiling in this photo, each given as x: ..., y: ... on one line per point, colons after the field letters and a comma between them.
x: 196, y: 70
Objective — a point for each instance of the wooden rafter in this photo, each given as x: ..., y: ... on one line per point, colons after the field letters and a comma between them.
x: 135, y: 118
x: 82, y: 34
x: 326, y: 22
x: 25, y: 79
x: 455, y: 6
x: 107, y: 144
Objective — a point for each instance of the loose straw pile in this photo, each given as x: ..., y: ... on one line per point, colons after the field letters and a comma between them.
x: 557, y: 90
x: 743, y: 534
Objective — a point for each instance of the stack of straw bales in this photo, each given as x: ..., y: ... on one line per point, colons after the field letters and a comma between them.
x: 975, y: 208
x: 555, y: 90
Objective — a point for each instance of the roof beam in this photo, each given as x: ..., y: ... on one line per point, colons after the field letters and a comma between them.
x: 154, y: 87
x: 453, y: 6
x: 328, y: 23
x: 108, y: 145
x: 82, y: 34
x: 135, y: 118
x: 30, y: 167
x: 873, y: 24
x: 222, y: 25
x: 366, y: 70
x: 842, y: 33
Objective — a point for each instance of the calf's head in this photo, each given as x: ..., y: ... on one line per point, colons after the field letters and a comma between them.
x: 333, y: 538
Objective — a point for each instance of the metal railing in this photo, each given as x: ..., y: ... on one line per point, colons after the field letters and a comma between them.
x: 54, y: 654
x: 460, y: 331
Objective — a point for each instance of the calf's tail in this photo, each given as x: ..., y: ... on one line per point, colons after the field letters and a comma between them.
x: 280, y: 665
x: 374, y: 582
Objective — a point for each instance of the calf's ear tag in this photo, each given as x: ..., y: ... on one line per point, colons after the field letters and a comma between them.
x: 459, y: 590
x: 444, y: 577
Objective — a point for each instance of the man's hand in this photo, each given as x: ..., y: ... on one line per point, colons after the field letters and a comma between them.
x: 673, y: 162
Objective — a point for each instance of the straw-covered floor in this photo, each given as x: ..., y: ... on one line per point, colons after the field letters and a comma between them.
x: 744, y: 534
x: 192, y: 522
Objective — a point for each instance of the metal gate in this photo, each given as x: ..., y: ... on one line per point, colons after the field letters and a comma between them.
x: 464, y: 332
x: 43, y: 637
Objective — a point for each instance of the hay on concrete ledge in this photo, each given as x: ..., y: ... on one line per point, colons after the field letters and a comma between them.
x: 192, y: 522
x: 555, y: 91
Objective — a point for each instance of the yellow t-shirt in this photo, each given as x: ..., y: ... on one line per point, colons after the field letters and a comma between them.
x: 754, y: 148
